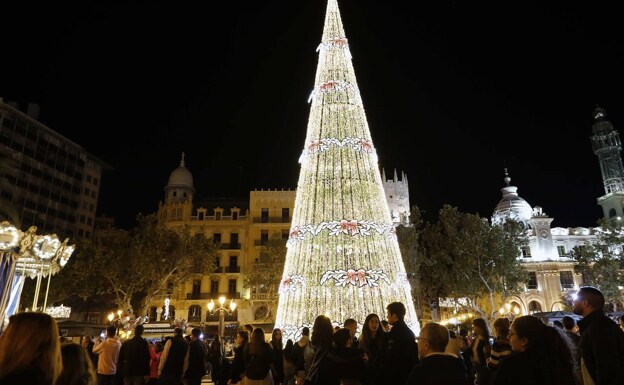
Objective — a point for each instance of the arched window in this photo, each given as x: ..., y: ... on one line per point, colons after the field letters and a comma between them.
x: 534, y: 307
x: 516, y: 308
x: 261, y: 313
x: 612, y: 213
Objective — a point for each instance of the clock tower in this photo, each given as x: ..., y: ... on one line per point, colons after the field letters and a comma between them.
x: 607, y: 146
x: 540, y: 223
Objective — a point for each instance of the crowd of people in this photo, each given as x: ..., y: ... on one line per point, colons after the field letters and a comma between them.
x: 525, y: 351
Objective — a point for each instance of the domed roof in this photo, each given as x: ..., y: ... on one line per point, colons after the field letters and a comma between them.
x: 181, y: 176
x: 511, y: 205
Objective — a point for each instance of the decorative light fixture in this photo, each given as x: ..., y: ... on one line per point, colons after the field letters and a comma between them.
x: 26, y: 254
x: 222, y: 311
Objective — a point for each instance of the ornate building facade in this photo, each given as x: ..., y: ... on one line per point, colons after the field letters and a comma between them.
x: 243, y: 228
x: 546, y: 258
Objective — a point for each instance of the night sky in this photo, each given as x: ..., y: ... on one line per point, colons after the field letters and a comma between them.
x: 453, y: 93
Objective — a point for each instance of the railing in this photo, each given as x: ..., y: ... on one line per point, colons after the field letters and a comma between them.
x: 272, y: 219
x: 263, y: 296
x: 218, y: 269
x: 223, y: 218
x: 261, y: 242
x: 213, y: 295
x: 232, y: 269
x: 263, y: 266
x: 230, y: 246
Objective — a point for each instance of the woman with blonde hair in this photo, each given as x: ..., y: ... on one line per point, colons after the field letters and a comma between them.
x: 30, y: 352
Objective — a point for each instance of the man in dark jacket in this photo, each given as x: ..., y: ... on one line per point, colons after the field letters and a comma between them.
x: 602, y: 341
x: 173, y: 360
x: 402, y: 351
x: 196, y: 364
x: 436, y: 366
x: 134, y: 359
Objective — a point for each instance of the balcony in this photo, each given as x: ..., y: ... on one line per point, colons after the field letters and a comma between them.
x: 261, y: 242
x: 231, y: 269
x: 214, y: 218
x: 230, y: 246
x: 263, y: 296
x: 236, y: 295
x: 271, y: 220
x: 218, y: 269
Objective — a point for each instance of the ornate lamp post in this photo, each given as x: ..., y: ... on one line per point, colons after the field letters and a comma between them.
x: 507, y: 311
x: 222, y: 311
x: 117, y: 321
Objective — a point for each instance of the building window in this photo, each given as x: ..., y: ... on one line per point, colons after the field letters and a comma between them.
x: 216, y: 237
x: 534, y: 307
x: 264, y: 237
x: 196, y: 286
x: 285, y: 215
x: 561, y: 250
x: 285, y: 233
x: 567, y: 279
x: 232, y: 268
x: 194, y: 313
x: 264, y: 216
x: 532, y: 282
x: 232, y: 286
x: 214, y: 287
x: 526, y: 252
x: 235, y: 216
x: 234, y: 241
x: 218, y: 215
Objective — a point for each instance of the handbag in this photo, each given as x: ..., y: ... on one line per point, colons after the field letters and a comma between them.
x: 312, y: 373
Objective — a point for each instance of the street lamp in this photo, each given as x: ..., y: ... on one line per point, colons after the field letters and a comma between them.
x: 222, y: 311
x: 510, y: 313
x: 117, y: 321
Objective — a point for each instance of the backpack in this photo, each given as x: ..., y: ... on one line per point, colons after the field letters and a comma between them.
x: 308, y: 355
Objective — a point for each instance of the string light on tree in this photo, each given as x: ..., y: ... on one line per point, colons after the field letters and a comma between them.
x: 343, y: 257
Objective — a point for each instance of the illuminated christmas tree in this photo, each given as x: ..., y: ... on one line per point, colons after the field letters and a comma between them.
x: 343, y: 258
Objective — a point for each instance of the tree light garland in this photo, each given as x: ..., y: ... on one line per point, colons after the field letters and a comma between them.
x: 343, y: 258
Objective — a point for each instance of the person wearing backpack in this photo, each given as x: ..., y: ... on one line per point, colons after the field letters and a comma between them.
x: 302, y: 354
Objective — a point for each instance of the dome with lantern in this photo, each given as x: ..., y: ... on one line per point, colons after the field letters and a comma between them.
x: 180, y: 185
x: 181, y: 176
x: 512, y: 206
